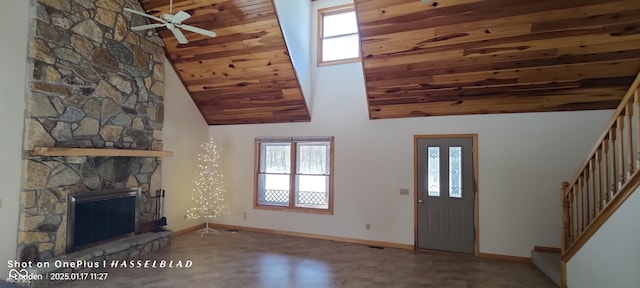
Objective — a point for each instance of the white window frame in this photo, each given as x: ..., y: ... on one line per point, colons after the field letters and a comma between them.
x: 333, y: 11
x: 293, y: 172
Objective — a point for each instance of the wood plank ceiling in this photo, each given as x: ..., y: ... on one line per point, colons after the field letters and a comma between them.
x: 244, y: 75
x: 446, y: 57
x: 451, y: 57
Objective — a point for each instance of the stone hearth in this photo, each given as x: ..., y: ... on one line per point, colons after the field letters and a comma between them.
x: 93, y: 83
x: 103, y: 255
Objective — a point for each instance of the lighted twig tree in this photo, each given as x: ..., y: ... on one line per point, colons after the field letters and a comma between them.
x: 209, y: 192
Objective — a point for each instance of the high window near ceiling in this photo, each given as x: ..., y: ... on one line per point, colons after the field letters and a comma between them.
x: 294, y: 174
x: 338, y: 39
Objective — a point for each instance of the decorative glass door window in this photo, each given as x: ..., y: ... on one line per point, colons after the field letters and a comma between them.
x: 455, y: 172
x: 433, y: 168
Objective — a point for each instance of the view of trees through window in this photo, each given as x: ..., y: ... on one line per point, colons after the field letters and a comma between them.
x: 311, y: 174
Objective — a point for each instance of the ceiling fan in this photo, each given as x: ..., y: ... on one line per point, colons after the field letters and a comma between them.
x: 172, y: 22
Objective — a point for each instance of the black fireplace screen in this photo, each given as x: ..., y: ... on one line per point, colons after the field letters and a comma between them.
x: 96, y: 216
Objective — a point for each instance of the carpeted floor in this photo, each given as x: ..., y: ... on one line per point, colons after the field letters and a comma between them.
x: 247, y: 260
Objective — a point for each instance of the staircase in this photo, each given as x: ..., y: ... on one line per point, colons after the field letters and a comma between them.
x: 609, y: 175
x: 548, y: 262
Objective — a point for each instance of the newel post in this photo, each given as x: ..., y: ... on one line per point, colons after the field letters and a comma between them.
x: 566, y: 228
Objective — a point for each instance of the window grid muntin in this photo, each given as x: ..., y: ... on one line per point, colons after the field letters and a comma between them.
x: 294, y: 202
x: 331, y: 11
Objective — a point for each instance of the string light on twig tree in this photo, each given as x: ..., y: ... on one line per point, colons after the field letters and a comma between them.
x: 209, y: 192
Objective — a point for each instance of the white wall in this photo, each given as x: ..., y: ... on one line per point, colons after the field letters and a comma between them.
x: 183, y: 133
x: 295, y: 22
x: 13, y: 56
x: 523, y: 159
x: 611, y: 258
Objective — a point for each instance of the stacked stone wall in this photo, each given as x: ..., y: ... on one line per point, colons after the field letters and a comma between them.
x: 93, y: 83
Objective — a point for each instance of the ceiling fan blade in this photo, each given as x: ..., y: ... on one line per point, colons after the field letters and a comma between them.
x: 145, y: 27
x: 178, y: 34
x: 179, y: 17
x: 198, y: 30
x: 144, y: 15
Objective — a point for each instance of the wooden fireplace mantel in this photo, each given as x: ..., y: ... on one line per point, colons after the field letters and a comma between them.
x: 98, y: 152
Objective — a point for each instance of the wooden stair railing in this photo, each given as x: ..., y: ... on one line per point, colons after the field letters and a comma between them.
x: 607, y: 177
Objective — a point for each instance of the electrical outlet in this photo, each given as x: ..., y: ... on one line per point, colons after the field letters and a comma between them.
x: 404, y: 191
x: 368, y: 226
x: 244, y: 216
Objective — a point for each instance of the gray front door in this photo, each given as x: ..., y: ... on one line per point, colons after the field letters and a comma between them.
x: 445, y: 194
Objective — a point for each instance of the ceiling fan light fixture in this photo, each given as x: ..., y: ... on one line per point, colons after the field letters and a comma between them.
x: 173, y: 22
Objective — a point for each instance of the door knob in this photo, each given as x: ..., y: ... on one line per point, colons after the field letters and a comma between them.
x: 420, y: 201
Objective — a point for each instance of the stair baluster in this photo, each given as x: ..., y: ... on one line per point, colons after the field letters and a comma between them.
x: 605, y: 150
x: 597, y: 197
x: 614, y: 170
x: 629, y: 118
x: 636, y: 101
x: 621, y: 168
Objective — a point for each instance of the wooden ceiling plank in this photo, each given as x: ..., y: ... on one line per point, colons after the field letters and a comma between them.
x: 234, y: 106
x: 596, y: 97
x: 375, y: 61
x: 403, y: 71
x: 611, y: 46
x: 221, y: 81
x: 545, y: 40
x: 241, y: 93
x: 240, y: 80
x: 460, y: 38
x: 230, y: 53
x: 276, y: 56
x: 427, y: 82
x: 587, y: 50
x: 617, y: 17
x: 375, y: 4
x: 244, y: 75
x: 450, y: 92
x: 266, y: 59
x: 252, y: 110
x: 498, y: 91
x: 527, y: 55
x: 559, y: 14
x: 215, y: 83
x: 247, y: 86
x: 233, y: 18
x: 603, y: 69
x: 549, y: 73
x: 469, y: 12
x: 228, y: 71
x: 429, y: 93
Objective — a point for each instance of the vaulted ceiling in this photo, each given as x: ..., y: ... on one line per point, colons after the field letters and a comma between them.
x: 452, y: 57
x: 245, y: 74
x: 447, y: 57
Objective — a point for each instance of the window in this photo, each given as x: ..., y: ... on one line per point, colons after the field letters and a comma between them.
x: 295, y: 174
x: 338, y: 40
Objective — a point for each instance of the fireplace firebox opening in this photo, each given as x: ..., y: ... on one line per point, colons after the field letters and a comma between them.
x: 98, y: 216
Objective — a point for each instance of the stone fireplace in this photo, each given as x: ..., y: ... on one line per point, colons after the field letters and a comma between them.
x: 92, y: 83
